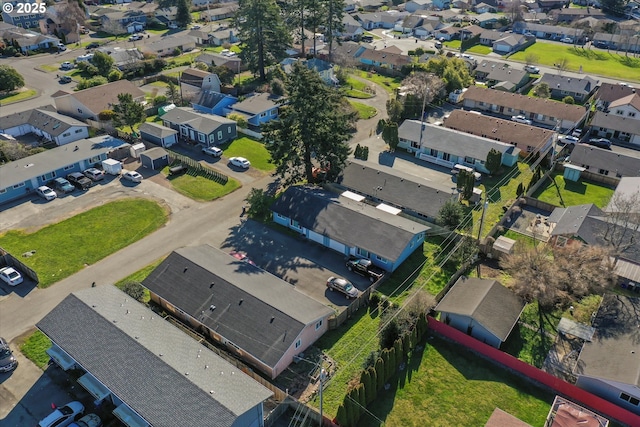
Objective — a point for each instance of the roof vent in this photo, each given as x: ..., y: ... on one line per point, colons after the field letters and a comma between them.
x: 76, y: 148
x: 240, y: 303
x: 28, y: 165
x: 272, y: 319
x: 212, y: 307
x: 211, y: 285
x: 185, y: 269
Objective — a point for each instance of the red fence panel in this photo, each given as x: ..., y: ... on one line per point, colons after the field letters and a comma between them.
x: 558, y: 385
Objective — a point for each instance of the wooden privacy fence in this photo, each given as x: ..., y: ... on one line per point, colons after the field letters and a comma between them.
x: 6, y: 259
x: 196, y: 169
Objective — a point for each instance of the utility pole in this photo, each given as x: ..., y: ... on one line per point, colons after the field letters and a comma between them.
x: 323, y: 375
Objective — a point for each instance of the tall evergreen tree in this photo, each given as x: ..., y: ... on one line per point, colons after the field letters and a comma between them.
x: 183, y: 14
x: 311, y: 125
x: 333, y: 24
x: 262, y: 33
x: 128, y: 112
x: 371, y: 392
x: 379, y: 367
x: 493, y: 161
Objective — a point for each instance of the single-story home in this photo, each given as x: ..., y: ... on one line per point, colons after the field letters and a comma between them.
x: 579, y: 89
x: 606, y: 162
x: 539, y: 110
x: 392, y: 187
x: 258, y: 317
x: 154, y: 158
x: 20, y: 177
x: 482, y: 308
x: 569, y: 15
x: 616, y: 127
x: 258, y: 109
x: 544, y: 31
x: 501, y: 76
x: 219, y: 13
x: 193, y: 81
x: 169, y: 45
x: 509, y: 43
x: 123, y: 58
x: 158, y: 134
x: 26, y: 40
x: 205, y: 129
x: 348, y: 226
x: 527, y: 138
x: 130, y: 21
x: 121, y: 347
x: 22, y: 18
x: 447, y: 147
x: 223, y: 35
x: 487, y: 20
x: 234, y: 63
x: 609, y: 365
x: 44, y: 122
x: 386, y: 58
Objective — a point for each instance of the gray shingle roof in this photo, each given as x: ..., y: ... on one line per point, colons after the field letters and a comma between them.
x: 451, y: 141
x: 403, y: 190
x: 584, y: 85
x: 347, y: 221
x: 615, y: 122
x: 42, y: 163
x: 246, y: 298
x: 144, y: 361
x: 104, y: 97
x: 486, y: 301
x: 154, y: 129
x: 609, y: 92
x: 613, y: 353
x: 44, y: 118
x: 155, y: 153
x: 205, y: 123
x: 257, y: 103
x: 620, y: 161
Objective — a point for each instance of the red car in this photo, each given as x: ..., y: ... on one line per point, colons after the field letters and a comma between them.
x: 241, y: 256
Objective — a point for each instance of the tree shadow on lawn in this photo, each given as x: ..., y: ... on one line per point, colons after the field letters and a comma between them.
x: 575, y: 187
x: 529, y: 346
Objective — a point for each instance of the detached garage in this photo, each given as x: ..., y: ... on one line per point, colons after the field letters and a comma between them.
x: 158, y: 134
x: 155, y: 158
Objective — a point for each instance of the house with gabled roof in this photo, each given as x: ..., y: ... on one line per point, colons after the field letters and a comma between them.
x: 470, y: 31
x: 168, y: 45
x: 628, y: 107
x: 258, y: 317
x: 448, y: 147
x: 218, y: 13
x: 130, y: 20
x: 609, y: 364
x: 501, y: 76
x: 258, y: 109
x: 387, y: 59
x: 413, y: 6
x: 508, y: 43
x: 482, y: 308
x: 88, y: 103
x: 44, y: 122
x: 546, y: 31
x: 27, y: 40
x: 388, y: 20
x: 349, y: 226
x: 609, y: 92
x: 579, y: 89
x: 158, y: 134
x: 212, y: 102
x: 21, y: 19
x: 152, y: 372
x: 123, y: 58
x: 539, y: 110
x: 569, y: 15
x: 487, y: 20
x: 619, y: 163
x: 616, y: 127
x: 205, y: 129
x: 351, y: 28
x: 527, y: 138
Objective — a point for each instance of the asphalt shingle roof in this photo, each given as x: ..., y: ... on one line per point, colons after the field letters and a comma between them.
x: 627, y: 164
x: 104, y: 97
x: 245, y: 298
x: 205, y: 123
x: 256, y: 104
x: 156, y: 130
x: 45, y: 118
x: 161, y: 373
x: 609, y: 92
x: 349, y: 222
x: 486, y: 301
x: 584, y: 85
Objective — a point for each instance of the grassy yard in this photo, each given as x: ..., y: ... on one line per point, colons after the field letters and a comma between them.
x: 253, y: 151
x: 446, y: 385
x: 234, y: 48
x: 479, y: 49
x: 66, y: 247
x: 452, y: 44
x: 573, y: 193
x: 364, y: 111
x: 139, y: 276
x: 357, y: 89
x: 390, y: 84
x: 592, y: 61
x: 34, y: 348
x: 17, y: 96
x: 50, y: 68
x: 200, y: 188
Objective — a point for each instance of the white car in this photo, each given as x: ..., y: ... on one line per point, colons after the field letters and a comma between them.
x: 569, y: 139
x: 61, y: 47
x: 521, y: 119
x: 240, y: 162
x: 172, y: 26
x: 94, y: 174
x: 10, y: 276
x: 85, y: 57
x: 46, y: 193
x: 135, y: 37
x: 195, y: 27
x: 63, y: 416
x: 213, y: 151
x: 532, y: 69
x: 132, y: 176
x: 66, y: 65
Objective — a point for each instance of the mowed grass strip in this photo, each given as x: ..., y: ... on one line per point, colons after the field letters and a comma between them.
x: 66, y: 247
x: 251, y: 150
x: 364, y: 111
x: 200, y: 188
x: 34, y: 348
x: 446, y: 385
x: 573, y: 193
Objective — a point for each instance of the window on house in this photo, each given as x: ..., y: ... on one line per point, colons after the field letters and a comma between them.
x: 48, y: 176
x: 78, y: 130
x: 415, y: 144
x: 66, y: 134
x: 384, y: 260
x: 18, y: 185
x: 201, y: 137
x: 228, y: 129
x: 318, y: 324
x: 280, y: 216
x: 183, y: 131
x: 433, y: 152
x: 219, y: 135
x: 619, y: 112
x: 362, y: 252
x: 79, y: 111
x: 69, y: 167
x: 295, y: 224
x: 298, y: 343
x: 630, y: 399
x: 469, y: 160
x: 446, y: 156
x: 263, y: 114
x: 631, y: 114
x: 530, y: 148
x: 603, y: 172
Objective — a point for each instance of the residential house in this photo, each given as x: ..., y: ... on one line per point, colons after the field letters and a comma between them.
x: 46, y: 123
x: 132, y: 348
x: 409, y: 24
x: 488, y: 37
x: 194, y: 80
x: 166, y: 15
x: 509, y: 43
x: 158, y: 134
x: 427, y: 29
x: 219, y: 13
x: 501, y: 76
x: 131, y: 21
x: 53, y: 23
x: 609, y: 365
x: 372, y: 5
x: 383, y: 185
x: 441, y: 4
x: 27, y: 40
x: 201, y: 37
x: 20, y: 177
x: 88, y: 103
x: 617, y: 163
x: 527, y: 138
x: 535, y: 17
x: 258, y: 317
x: 447, y: 147
x: 258, y: 109
x: 446, y: 15
x: 205, y: 129
x: 349, y: 227
x: 234, y: 63
x: 211, y: 102
x: 488, y: 20
x: 384, y: 59
x: 351, y: 28
x: 447, y: 33
x: 323, y: 68
x: 547, y: 5
x: 569, y: 15
x: 349, y: 6
x: 482, y: 308
x: 413, y: 6
x: 123, y: 58
x: 21, y: 19
x: 544, y: 31
x: 613, y: 126
x: 222, y: 36
x: 169, y: 45
x: 561, y: 86
x: 481, y: 8
x: 154, y: 158
x: 388, y: 20
x: 347, y: 52
x: 544, y: 111
x: 628, y: 106
x: 471, y: 31
x: 609, y: 92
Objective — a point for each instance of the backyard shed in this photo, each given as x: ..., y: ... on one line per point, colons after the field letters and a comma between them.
x: 155, y: 158
x: 503, y: 246
x: 572, y: 172
x: 136, y: 149
x: 112, y: 166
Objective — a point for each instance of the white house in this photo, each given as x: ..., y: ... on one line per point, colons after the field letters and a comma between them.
x: 44, y: 122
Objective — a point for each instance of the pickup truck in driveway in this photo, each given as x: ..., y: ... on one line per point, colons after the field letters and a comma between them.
x: 365, y: 267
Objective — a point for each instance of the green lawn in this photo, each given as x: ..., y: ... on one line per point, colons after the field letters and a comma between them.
x: 592, y: 61
x: 390, y: 84
x: 446, y: 385
x: 159, y: 83
x: 50, y: 68
x: 68, y: 246
x: 234, y: 48
x: 574, y: 193
x: 479, y: 49
x: 253, y: 151
x: 364, y: 111
x: 17, y: 96
x: 452, y: 44
x: 200, y: 188
x: 139, y: 276
x: 34, y: 349
x: 357, y: 89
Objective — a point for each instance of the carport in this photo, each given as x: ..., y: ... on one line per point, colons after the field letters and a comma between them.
x: 94, y: 387
x: 129, y: 417
x: 61, y: 358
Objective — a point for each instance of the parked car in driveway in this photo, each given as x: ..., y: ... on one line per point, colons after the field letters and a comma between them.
x: 135, y: 37
x: 65, y: 79
x: 569, y: 139
x: 600, y: 143
x: 80, y: 181
x: 93, y: 45
x: 132, y: 176
x: 94, y: 174
x: 240, y: 162
x: 342, y: 285
x: 63, y: 416
x: 89, y: 420
x: 63, y: 185
x: 66, y: 65
x: 11, y: 276
x: 532, y: 69
x: 212, y: 151
x: 7, y: 361
x: 365, y: 268
x: 566, y: 40
x: 46, y: 193
x: 521, y: 119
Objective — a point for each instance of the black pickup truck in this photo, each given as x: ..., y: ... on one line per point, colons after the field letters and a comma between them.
x: 365, y: 267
